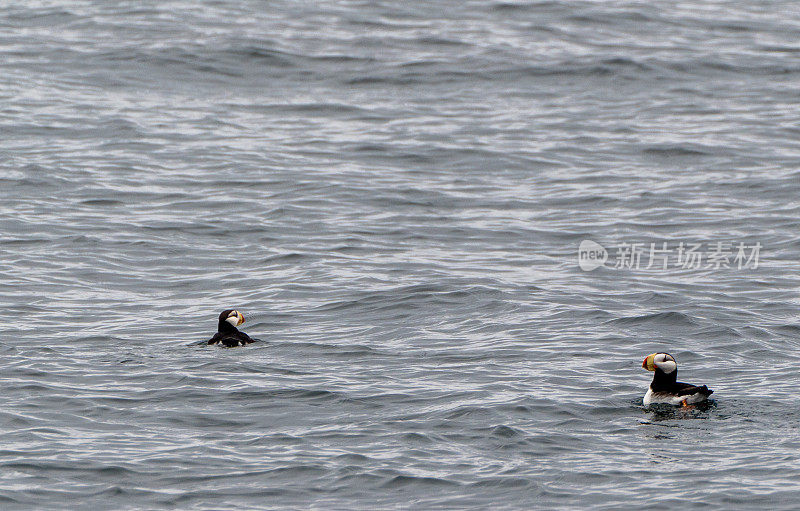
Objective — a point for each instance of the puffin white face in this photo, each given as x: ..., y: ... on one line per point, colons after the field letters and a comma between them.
x: 235, y: 318
x: 663, y: 361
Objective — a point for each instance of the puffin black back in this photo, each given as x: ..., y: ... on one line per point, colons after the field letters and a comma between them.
x: 227, y: 334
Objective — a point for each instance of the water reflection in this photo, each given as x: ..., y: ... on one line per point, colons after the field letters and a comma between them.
x: 663, y: 412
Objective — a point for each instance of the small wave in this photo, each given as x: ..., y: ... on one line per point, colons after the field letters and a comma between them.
x: 678, y: 151
x: 789, y: 329
x: 506, y: 432
x: 290, y: 394
x: 410, y: 295
x: 406, y: 480
x: 101, y: 202
x: 665, y: 318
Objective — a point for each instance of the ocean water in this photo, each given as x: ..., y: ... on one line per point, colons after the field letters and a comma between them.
x: 393, y: 194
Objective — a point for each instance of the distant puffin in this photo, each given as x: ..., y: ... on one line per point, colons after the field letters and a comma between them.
x: 227, y: 334
x: 665, y: 389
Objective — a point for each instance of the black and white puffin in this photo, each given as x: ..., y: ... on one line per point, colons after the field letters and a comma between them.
x: 665, y: 388
x: 227, y: 333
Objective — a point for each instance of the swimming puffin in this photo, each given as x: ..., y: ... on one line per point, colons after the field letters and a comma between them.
x: 665, y: 389
x: 227, y: 334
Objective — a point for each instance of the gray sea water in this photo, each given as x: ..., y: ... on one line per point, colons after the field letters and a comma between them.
x: 393, y: 194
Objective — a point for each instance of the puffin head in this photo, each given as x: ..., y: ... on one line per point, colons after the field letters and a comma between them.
x: 661, y: 361
x: 234, y: 317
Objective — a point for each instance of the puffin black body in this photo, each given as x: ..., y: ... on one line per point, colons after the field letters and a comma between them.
x: 665, y: 388
x: 227, y: 333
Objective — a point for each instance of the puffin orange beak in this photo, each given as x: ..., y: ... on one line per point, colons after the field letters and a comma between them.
x: 648, y: 363
x: 241, y: 318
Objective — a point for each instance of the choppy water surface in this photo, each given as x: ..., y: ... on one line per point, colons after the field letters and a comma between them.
x: 393, y: 194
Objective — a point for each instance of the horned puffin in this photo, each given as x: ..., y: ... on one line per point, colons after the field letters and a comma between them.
x: 227, y: 333
x: 665, y: 388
